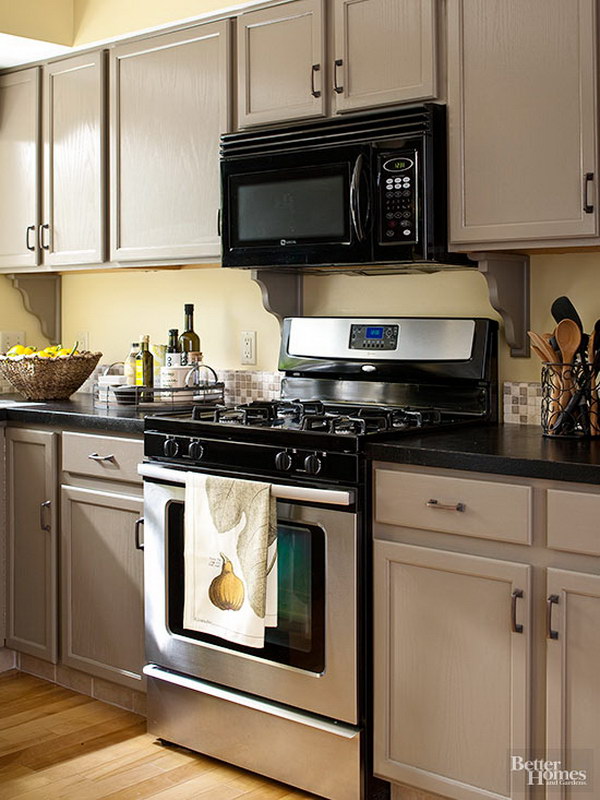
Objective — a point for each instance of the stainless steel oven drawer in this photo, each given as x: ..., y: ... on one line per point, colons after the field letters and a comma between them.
x: 289, y: 746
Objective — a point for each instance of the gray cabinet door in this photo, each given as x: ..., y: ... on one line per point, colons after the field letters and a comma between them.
x: 451, y: 678
x: 19, y: 168
x: 523, y: 120
x: 385, y: 52
x: 102, y: 618
x: 573, y: 677
x: 74, y: 224
x: 281, y: 63
x: 170, y: 101
x: 31, y: 467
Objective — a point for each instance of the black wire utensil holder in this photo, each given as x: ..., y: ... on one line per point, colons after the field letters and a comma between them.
x: 570, y: 406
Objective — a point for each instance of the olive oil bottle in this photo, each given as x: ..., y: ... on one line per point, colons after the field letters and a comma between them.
x: 189, y: 341
x: 144, y: 368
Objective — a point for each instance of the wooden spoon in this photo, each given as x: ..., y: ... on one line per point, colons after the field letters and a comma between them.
x: 568, y: 339
x: 542, y: 346
x: 545, y: 352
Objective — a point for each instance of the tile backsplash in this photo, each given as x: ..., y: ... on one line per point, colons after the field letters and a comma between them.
x: 521, y: 402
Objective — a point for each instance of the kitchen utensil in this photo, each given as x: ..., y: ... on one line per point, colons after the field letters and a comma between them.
x: 594, y: 360
x: 562, y: 308
x: 543, y: 346
x: 568, y: 339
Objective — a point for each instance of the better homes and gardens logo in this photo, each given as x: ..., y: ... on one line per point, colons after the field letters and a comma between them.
x: 548, y: 773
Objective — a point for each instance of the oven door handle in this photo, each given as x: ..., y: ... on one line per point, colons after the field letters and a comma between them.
x: 308, y: 494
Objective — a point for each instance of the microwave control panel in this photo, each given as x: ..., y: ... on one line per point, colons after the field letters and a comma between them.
x: 397, y: 179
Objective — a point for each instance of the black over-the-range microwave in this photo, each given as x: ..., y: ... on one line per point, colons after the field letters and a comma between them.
x: 366, y: 190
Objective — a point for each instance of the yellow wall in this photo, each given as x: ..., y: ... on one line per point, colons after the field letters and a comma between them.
x: 115, y: 308
x: 101, y: 19
x: 49, y: 20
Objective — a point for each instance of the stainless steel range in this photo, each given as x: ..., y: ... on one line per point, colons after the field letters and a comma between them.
x: 299, y: 710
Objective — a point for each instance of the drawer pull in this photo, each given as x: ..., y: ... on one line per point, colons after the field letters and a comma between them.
x: 139, y: 544
x: 96, y: 457
x: 515, y: 626
x: 445, y: 506
x: 313, y: 91
x: 551, y: 601
x: 45, y: 526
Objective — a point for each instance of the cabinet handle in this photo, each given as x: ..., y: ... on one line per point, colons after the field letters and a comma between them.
x: 96, y: 457
x: 339, y: 62
x: 139, y: 545
x: 588, y: 206
x: 313, y: 69
x: 30, y: 229
x: 514, y: 625
x: 45, y: 526
x: 551, y: 601
x: 445, y: 506
x: 218, y: 222
x: 41, y: 237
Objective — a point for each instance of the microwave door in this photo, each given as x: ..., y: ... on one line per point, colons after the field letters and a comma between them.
x: 297, y: 208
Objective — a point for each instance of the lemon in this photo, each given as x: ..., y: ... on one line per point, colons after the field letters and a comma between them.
x: 44, y: 354
x: 16, y: 350
x: 63, y: 352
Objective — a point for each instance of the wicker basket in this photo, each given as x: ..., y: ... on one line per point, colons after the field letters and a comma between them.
x: 48, y: 378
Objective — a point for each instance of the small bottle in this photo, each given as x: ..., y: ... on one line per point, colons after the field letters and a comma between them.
x: 144, y: 368
x: 189, y: 341
x: 129, y: 368
x: 173, y: 357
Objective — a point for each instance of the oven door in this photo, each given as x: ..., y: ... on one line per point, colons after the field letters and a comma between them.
x: 310, y: 660
x: 301, y: 207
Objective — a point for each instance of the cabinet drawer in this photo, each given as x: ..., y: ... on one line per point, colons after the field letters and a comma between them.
x: 102, y: 456
x: 483, y: 509
x: 574, y: 521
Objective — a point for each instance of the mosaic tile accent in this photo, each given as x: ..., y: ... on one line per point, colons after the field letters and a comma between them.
x: 244, y: 386
x: 522, y: 402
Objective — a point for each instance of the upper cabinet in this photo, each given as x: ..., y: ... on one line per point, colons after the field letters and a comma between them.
x: 19, y: 168
x: 169, y: 105
x: 385, y: 52
x: 281, y: 62
x: 522, y: 121
x: 73, y: 223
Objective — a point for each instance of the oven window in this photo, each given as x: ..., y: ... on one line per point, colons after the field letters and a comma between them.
x: 299, y: 638
x: 302, y: 205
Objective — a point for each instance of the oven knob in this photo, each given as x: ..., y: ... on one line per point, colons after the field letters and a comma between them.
x: 313, y: 464
x: 283, y: 461
x: 170, y: 448
x: 195, y: 450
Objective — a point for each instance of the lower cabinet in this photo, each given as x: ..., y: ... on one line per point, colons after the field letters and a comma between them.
x: 452, y: 635
x: 102, y: 617
x: 573, y: 674
x: 32, y: 533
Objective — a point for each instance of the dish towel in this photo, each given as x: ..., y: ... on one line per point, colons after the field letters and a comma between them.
x: 230, y: 553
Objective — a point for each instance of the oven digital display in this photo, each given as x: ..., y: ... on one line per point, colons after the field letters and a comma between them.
x: 373, y: 337
x: 374, y: 333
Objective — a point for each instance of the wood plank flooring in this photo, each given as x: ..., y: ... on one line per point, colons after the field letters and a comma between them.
x: 55, y: 744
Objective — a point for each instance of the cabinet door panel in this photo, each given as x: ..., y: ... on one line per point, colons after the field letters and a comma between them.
x: 522, y: 119
x: 387, y: 49
x: 277, y: 49
x: 74, y: 179
x: 573, y: 677
x: 102, y: 621
x: 32, y: 550
x: 19, y: 168
x: 170, y: 103
x: 451, y: 678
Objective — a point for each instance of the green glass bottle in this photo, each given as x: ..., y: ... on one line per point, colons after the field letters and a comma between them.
x: 189, y: 341
x: 144, y: 368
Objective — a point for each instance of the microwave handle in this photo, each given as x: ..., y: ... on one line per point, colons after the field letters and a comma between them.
x: 358, y: 224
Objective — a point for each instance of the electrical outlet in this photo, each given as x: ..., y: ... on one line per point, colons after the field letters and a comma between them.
x: 248, y: 354
x: 83, y: 337
x: 9, y: 339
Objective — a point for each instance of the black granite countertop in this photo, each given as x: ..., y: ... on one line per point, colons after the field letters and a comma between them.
x: 79, y: 412
x: 500, y: 449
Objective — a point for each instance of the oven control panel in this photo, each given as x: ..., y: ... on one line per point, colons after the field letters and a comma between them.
x: 397, y: 180
x: 373, y: 337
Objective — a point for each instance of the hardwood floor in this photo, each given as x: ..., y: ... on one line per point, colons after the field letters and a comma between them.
x: 55, y: 744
